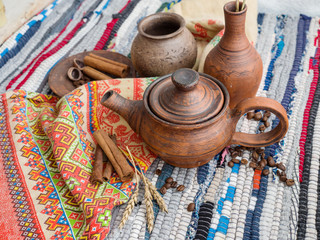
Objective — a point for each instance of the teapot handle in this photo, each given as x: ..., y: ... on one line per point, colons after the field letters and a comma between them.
x: 261, y: 139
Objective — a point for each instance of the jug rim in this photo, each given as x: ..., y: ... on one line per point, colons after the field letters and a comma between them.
x: 174, y: 19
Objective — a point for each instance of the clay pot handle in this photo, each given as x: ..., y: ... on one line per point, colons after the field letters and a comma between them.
x: 261, y: 139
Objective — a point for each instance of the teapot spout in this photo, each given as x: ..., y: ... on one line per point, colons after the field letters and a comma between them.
x: 130, y: 110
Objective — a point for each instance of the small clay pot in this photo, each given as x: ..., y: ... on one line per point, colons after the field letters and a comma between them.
x: 163, y: 45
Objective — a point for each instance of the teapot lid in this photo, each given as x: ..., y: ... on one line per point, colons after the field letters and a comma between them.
x: 186, y: 97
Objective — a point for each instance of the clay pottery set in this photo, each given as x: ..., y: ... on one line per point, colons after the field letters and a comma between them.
x: 163, y: 45
x: 185, y: 118
x: 234, y: 61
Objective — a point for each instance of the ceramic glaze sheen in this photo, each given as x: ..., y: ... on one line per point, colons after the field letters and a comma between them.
x: 234, y: 61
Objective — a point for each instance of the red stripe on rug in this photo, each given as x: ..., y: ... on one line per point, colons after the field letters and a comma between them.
x: 315, y: 67
x: 50, y: 53
x: 106, y: 34
x: 30, y: 64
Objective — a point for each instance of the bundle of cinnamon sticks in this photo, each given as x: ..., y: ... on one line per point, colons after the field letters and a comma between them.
x: 114, y: 160
x: 95, y: 67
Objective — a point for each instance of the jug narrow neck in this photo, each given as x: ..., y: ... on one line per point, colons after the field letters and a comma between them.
x: 234, y: 38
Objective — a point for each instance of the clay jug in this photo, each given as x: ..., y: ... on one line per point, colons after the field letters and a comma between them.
x: 234, y: 61
x: 163, y: 45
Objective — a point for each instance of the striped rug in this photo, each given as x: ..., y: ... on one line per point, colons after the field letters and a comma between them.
x: 237, y: 203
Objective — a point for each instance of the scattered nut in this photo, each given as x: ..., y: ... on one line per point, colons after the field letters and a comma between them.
x: 163, y: 190
x: 260, y: 150
x: 265, y: 118
x: 158, y: 172
x: 262, y: 127
x: 230, y: 164
x: 258, y: 116
x: 167, y: 185
x: 250, y: 115
x: 281, y: 166
x: 191, y: 207
x: 267, y: 113
x: 169, y: 180
x: 253, y: 165
x: 180, y: 188
x: 271, y: 162
x: 255, y: 155
x: 290, y: 182
x: 244, y: 161
x: 265, y: 172
x: 235, y: 160
x: 174, y: 184
x: 267, y: 124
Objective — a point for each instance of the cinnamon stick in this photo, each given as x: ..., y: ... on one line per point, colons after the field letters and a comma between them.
x: 125, y: 66
x: 96, y: 175
x: 108, y: 171
x: 105, y: 66
x: 118, y: 161
x: 94, y: 73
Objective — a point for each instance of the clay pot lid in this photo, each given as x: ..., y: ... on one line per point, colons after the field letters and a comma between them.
x: 186, y: 97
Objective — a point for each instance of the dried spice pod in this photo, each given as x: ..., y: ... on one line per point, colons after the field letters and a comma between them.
x: 74, y: 74
x: 250, y: 115
x: 78, y: 64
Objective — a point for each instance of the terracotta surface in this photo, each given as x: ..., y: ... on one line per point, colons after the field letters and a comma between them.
x: 193, y: 143
x: 163, y: 45
x: 59, y: 81
x: 234, y: 61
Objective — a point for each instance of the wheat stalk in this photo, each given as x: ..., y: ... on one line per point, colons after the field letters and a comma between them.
x: 237, y: 5
x: 133, y: 200
x: 149, y: 205
x: 155, y: 194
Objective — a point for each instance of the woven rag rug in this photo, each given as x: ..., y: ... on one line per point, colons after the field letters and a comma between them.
x: 47, y: 148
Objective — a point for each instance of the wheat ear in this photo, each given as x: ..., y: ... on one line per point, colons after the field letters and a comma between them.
x: 149, y: 205
x: 154, y: 193
x: 156, y: 196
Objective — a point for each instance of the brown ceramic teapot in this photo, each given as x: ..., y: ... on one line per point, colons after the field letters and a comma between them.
x: 185, y: 118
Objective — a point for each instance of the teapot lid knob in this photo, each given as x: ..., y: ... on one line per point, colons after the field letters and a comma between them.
x: 185, y: 79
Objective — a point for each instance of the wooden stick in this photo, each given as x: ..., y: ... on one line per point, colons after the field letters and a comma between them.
x: 96, y: 175
x: 117, y: 159
x: 95, y: 74
x: 105, y: 66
